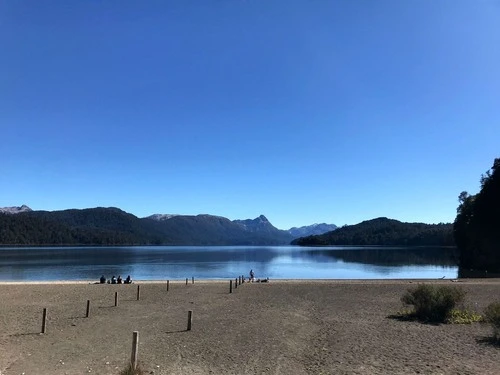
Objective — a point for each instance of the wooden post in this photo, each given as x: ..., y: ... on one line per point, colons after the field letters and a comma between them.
x: 192, y: 280
x: 135, y: 349
x: 239, y: 280
x: 88, y: 309
x: 230, y: 286
x: 44, y: 320
x: 242, y: 279
x: 116, y: 299
x: 236, y: 283
x: 168, y: 282
x: 190, y: 320
x: 186, y: 281
x: 138, y: 292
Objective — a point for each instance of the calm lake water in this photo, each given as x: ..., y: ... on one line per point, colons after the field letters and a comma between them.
x: 213, y: 262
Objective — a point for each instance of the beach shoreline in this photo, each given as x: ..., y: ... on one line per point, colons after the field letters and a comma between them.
x: 280, y: 327
x: 246, y: 280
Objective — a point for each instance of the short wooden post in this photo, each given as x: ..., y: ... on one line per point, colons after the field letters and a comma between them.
x: 116, y: 299
x: 190, y: 320
x: 44, y: 320
x: 230, y: 286
x: 236, y: 283
x: 88, y: 309
x: 186, y: 281
x: 239, y: 280
x: 135, y: 349
x: 138, y: 292
x: 168, y: 284
x: 242, y: 279
x: 192, y: 280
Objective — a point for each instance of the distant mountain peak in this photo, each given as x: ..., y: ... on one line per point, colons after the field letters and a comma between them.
x: 314, y: 229
x: 15, y: 209
x: 260, y: 223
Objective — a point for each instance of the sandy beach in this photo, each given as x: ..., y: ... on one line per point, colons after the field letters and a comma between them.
x: 280, y: 327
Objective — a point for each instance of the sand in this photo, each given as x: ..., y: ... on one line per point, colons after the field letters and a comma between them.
x: 281, y: 327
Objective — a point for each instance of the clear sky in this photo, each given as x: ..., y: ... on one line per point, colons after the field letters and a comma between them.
x: 302, y: 110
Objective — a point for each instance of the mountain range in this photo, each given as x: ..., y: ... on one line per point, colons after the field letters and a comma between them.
x: 113, y: 226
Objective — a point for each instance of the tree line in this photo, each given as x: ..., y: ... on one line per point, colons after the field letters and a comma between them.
x: 385, y: 232
x: 477, y: 225
x: 27, y: 230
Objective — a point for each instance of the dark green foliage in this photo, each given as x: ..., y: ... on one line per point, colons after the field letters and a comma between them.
x: 492, y: 316
x: 433, y: 303
x: 21, y: 229
x: 112, y: 226
x: 99, y: 226
x: 387, y: 232
x: 477, y: 225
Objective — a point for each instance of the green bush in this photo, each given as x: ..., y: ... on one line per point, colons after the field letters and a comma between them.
x: 433, y: 303
x: 492, y: 316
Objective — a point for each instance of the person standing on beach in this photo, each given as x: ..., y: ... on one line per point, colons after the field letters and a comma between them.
x: 252, y: 276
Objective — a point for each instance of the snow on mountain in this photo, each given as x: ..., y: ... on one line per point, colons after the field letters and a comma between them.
x: 15, y: 209
x: 161, y: 217
x: 310, y: 230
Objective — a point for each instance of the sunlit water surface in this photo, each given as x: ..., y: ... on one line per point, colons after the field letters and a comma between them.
x: 220, y: 262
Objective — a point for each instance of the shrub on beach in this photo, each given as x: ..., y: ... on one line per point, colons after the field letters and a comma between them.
x: 433, y: 303
x: 492, y: 316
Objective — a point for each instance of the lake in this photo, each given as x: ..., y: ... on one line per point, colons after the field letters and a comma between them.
x: 222, y: 262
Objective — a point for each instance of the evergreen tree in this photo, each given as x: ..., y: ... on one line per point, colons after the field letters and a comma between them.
x: 477, y: 225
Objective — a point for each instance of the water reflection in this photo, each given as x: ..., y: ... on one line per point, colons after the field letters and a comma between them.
x: 287, y: 262
x: 393, y: 256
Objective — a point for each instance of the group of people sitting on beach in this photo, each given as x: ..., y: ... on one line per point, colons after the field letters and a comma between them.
x: 115, y: 280
x: 128, y: 280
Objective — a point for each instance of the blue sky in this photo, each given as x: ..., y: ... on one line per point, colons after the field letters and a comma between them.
x: 304, y: 111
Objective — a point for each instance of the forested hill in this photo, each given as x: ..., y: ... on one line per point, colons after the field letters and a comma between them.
x: 384, y: 231
x: 112, y: 226
x: 96, y: 226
